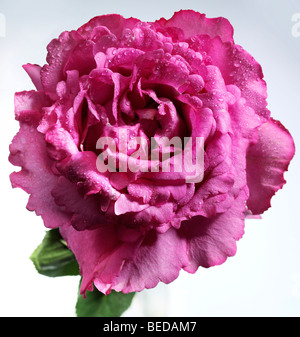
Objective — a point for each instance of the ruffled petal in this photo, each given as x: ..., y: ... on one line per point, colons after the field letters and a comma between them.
x: 29, y: 105
x: 34, y: 72
x: 158, y: 258
x: 237, y: 67
x: 193, y: 23
x: 211, y: 240
x: 100, y: 254
x: 59, y: 51
x: 113, y: 22
x: 267, y: 160
x: 81, y: 169
x: 81, y: 58
x: 84, y: 213
x: 28, y: 150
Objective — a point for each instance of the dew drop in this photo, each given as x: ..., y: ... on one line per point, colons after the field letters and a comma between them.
x: 237, y: 64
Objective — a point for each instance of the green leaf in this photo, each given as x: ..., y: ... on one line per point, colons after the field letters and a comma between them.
x: 53, y: 258
x: 97, y: 304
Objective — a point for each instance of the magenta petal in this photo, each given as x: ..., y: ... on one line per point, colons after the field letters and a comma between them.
x: 114, y: 22
x: 211, y: 240
x: 267, y: 160
x: 84, y: 213
x: 28, y: 150
x: 80, y: 168
x: 99, y: 252
x: 239, y: 68
x: 193, y: 23
x: 82, y: 58
x: 28, y: 106
x: 58, y: 54
x: 125, y: 203
x: 159, y: 258
x: 34, y: 72
x: 60, y: 143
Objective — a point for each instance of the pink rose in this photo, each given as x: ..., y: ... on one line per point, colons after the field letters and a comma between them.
x: 185, y: 78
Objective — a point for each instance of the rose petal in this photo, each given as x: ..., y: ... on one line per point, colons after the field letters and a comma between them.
x: 238, y: 67
x: 125, y: 203
x: 34, y: 72
x: 58, y: 53
x: 100, y: 254
x: 28, y: 150
x: 193, y: 23
x: 84, y: 213
x: 211, y: 240
x: 159, y: 258
x: 28, y: 106
x: 267, y: 160
x: 81, y: 169
x: 81, y: 58
x: 114, y: 22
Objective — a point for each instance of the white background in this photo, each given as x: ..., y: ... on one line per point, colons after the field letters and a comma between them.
x: 263, y: 279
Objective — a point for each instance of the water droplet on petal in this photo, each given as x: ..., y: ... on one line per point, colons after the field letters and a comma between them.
x: 237, y: 64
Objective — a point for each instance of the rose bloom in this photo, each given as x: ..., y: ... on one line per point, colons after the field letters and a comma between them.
x: 182, y: 77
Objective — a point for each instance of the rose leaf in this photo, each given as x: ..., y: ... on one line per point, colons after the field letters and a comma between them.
x: 96, y: 304
x: 53, y: 258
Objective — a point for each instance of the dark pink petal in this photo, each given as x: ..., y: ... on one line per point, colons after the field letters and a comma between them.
x: 123, y: 58
x: 156, y: 67
x: 81, y: 58
x: 34, y: 72
x: 200, y: 122
x: 238, y: 67
x: 171, y: 124
x: 267, y: 160
x: 244, y: 123
x: 213, y: 194
x: 28, y: 150
x: 156, y: 215
x: 104, y: 43
x: 28, y: 106
x: 193, y: 85
x: 193, y: 23
x: 211, y: 240
x: 59, y: 51
x: 84, y: 213
x: 100, y: 254
x: 115, y: 23
x: 244, y: 119
x: 81, y: 169
x: 60, y: 143
x: 101, y: 86
x: 146, y: 38
x: 126, y: 203
x: 191, y: 56
x: 159, y: 258
x: 119, y: 180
